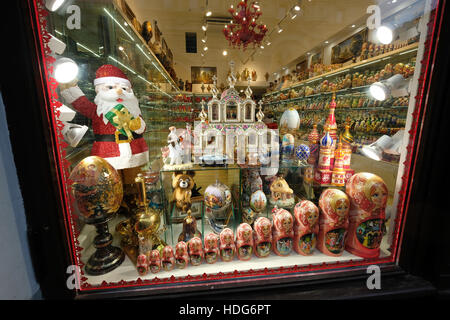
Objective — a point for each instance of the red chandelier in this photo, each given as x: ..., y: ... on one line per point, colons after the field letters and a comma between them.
x: 244, y: 30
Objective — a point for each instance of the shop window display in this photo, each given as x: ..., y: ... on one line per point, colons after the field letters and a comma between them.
x: 205, y: 190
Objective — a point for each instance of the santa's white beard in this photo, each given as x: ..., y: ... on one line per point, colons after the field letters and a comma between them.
x: 106, y: 100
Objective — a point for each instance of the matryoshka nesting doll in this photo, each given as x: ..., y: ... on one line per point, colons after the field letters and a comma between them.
x: 195, y: 251
x: 262, y: 237
x: 334, y: 205
x: 306, y: 227
x: 155, y: 261
x: 227, y: 246
x: 368, y: 195
x: 244, y: 241
x: 282, y: 231
x: 211, y: 247
x: 168, y: 259
x: 181, y: 255
x: 142, y: 264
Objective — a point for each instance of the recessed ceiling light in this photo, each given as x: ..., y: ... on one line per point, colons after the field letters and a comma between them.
x: 262, y: 47
x: 297, y: 8
x: 208, y: 14
x: 224, y: 52
x: 205, y: 48
x: 204, y: 27
x: 353, y: 25
x: 326, y: 41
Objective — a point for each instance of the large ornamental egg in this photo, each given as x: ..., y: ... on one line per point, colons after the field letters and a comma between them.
x: 217, y: 196
x: 258, y: 201
x: 302, y: 152
x: 97, y: 188
x: 290, y: 119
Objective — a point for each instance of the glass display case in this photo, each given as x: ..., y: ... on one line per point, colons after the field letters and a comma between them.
x: 163, y: 219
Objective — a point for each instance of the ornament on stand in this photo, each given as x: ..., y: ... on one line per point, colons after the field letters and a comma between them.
x: 338, y: 174
x: 287, y: 147
x: 168, y: 259
x: 289, y: 121
x: 211, y: 248
x: 306, y: 227
x: 227, y: 246
x: 175, y: 153
x: 181, y: 255
x: 368, y: 194
x: 195, y: 251
x: 97, y: 188
x: 347, y: 140
x: 262, y: 237
x: 334, y: 205
x: 280, y: 194
x: 302, y: 153
x: 323, y: 173
x: 283, y: 232
x: 218, y: 206
x: 244, y: 241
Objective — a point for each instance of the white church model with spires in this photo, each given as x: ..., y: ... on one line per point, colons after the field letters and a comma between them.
x: 228, y: 132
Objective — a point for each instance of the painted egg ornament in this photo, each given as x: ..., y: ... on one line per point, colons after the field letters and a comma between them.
x: 290, y: 119
x: 258, y: 201
x: 302, y: 152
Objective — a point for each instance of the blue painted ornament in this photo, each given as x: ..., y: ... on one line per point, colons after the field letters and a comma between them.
x: 302, y: 152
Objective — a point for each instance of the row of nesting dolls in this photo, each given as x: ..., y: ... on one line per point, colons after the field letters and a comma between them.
x: 351, y: 220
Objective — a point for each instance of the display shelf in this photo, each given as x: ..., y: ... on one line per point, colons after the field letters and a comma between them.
x: 371, y: 61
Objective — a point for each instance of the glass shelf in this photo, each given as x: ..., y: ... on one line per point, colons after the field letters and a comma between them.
x: 409, y: 50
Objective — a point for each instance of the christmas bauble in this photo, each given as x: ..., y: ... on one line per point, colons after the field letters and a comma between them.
x: 302, y: 152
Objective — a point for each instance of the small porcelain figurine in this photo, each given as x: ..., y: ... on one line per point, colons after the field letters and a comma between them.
x: 244, y: 241
x: 155, y: 261
x: 282, y: 232
x: 306, y: 227
x: 227, y: 246
x: 281, y: 195
x: 334, y: 205
x: 262, y: 237
x: 189, y: 230
x: 181, y: 255
x: 211, y: 247
x: 368, y: 195
x: 142, y: 264
x: 175, y: 151
x: 195, y: 251
x: 168, y: 259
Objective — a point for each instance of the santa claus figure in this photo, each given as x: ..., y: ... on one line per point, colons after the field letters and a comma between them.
x: 117, y: 122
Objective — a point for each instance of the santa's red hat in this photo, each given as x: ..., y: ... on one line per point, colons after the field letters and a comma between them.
x: 108, y: 73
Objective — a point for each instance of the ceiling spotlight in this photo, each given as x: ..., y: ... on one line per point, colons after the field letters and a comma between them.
x: 224, y: 52
x: 293, y: 16
x: 353, y: 25
x: 268, y: 43
x: 395, y: 86
x: 120, y: 48
x: 326, y: 42
x: 279, y: 29
x: 205, y: 48
x: 53, y: 5
x: 297, y: 8
x: 204, y: 27
x: 384, y: 35
x: 66, y: 70
x: 262, y: 47
x: 208, y: 14
x: 204, y: 39
x: 308, y: 53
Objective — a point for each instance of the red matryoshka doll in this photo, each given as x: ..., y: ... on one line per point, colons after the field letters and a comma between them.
x: 334, y: 205
x: 181, y: 255
x: 283, y: 231
x: 244, y: 241
x: 142, y: 264
x: 195, y: 251
x: 168, y: 259
x: 155, y: 261
x: 306, y: 227
x: 262, y: 237
x: 211, y: 247
x: 227, y: 246
x: 368, y: 195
